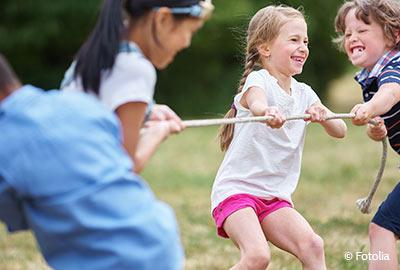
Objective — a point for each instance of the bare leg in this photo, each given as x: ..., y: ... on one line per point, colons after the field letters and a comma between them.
x: 288, y: 230
x: 244, y: 229
x: 382, y: 241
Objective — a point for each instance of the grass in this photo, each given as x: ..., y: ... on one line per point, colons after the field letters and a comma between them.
x: 334, y: 174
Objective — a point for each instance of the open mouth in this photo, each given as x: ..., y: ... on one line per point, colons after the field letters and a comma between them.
x: 357, y: 49
x: 298, y: 59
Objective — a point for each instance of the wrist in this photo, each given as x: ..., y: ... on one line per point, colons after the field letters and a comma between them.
x: 370, y: 109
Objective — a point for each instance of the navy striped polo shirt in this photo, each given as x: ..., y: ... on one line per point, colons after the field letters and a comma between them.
x: 386, y: 70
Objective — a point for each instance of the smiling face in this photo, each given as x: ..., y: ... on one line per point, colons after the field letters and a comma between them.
x: 364, y: 43
x: 289, y: 51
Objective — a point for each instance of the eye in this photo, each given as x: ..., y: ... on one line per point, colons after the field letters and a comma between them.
x: 362, y: 31
x: 347, y: 35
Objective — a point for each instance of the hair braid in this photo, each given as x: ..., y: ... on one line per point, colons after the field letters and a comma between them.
x: 226, y: 131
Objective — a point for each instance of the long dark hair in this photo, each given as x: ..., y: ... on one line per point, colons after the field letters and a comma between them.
x: 99, y: 51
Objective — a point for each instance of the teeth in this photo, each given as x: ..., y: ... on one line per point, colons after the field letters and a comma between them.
x: 358, y: 50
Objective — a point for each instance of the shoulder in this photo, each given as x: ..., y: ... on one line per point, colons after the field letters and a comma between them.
x: 261, y: 74
x: 135, y: 64
x: 260, y: 78
x: 390, y: 73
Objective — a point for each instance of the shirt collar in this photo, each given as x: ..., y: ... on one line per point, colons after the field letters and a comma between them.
x: 364, y: 74
x: 126, y: 46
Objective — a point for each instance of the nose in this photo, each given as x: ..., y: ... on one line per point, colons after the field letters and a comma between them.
x: 353, y: 37
x: 303, y: 48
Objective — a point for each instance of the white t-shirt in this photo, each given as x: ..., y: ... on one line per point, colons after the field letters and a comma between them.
x: 132, y: 79
x: 262, y: 161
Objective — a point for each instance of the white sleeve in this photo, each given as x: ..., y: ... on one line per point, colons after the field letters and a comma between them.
x: 311, y: 96
x: 255, y: 79
x: 132, y: 80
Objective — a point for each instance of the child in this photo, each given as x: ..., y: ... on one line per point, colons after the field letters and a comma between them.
x: 117, y: 63
x: 369, y: 32
x: 251, y: 196
x: 65, y: 175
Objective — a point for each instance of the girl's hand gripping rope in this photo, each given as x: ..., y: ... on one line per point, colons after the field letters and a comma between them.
x: 278, y: 118
x: 317, y: 112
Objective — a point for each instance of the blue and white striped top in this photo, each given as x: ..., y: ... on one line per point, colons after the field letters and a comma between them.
x: 386, y: 70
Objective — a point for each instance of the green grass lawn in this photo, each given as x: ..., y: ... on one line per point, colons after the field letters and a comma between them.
x: 334, y: 175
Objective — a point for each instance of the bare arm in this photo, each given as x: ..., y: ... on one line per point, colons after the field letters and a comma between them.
x: 141, y: 145
x: 387, y: 96
x: 256, y: 101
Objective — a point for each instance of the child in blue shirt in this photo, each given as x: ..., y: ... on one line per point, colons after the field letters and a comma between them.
x: 65, y: 175
x: 369, y: 32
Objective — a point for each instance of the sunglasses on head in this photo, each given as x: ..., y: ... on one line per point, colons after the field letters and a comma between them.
x: 202, y: 10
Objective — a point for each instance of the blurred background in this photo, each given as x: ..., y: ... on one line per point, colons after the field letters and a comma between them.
x: 41, y: 37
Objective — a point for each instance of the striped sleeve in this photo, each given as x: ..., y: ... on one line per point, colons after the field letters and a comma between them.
x: 391, y: 74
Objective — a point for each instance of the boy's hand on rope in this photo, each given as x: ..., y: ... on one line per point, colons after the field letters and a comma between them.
x: 362, y: 114
x: 317, y: 112
x: 377, y: 132
x: 278, y: 118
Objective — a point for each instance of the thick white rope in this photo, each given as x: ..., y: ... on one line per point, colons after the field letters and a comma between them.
x: 236, y: 120
x: 363, y: 204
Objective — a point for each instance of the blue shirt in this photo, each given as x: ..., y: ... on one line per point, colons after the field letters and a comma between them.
x: 65, y: 175
x: 386, y: 70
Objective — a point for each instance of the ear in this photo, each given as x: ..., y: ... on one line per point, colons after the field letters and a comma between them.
x: 264, y: 50
x: 163, y: 18
x: 398, y: 37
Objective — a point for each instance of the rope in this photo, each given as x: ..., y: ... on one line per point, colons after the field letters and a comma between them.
x: 236, y: 120
x: 363, y: 204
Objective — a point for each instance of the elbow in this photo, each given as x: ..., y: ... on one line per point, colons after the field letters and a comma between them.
x: 343, y: 132
x: 137, y: 169
x: 340, y: 131
x: 138, y: 164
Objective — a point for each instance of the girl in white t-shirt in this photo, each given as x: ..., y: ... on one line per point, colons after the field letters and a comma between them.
x: 117, y: 64
x: 251, y: 195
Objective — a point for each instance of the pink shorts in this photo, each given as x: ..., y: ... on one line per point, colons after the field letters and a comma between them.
x: 261, y: 207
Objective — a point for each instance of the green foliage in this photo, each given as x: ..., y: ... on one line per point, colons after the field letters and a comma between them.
x: 41, y: 37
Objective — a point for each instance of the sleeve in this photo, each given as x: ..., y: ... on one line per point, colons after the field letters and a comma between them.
x: 11, y: 212
x: 132, y: 80
x: 255, y: 79
x: 311, y: 96
x: 390, y: 74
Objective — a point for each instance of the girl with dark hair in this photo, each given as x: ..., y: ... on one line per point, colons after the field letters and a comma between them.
x: 117, y: 64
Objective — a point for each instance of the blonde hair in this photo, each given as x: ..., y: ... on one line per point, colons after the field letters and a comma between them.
x: 385, y: 12
x: 263, y: 28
